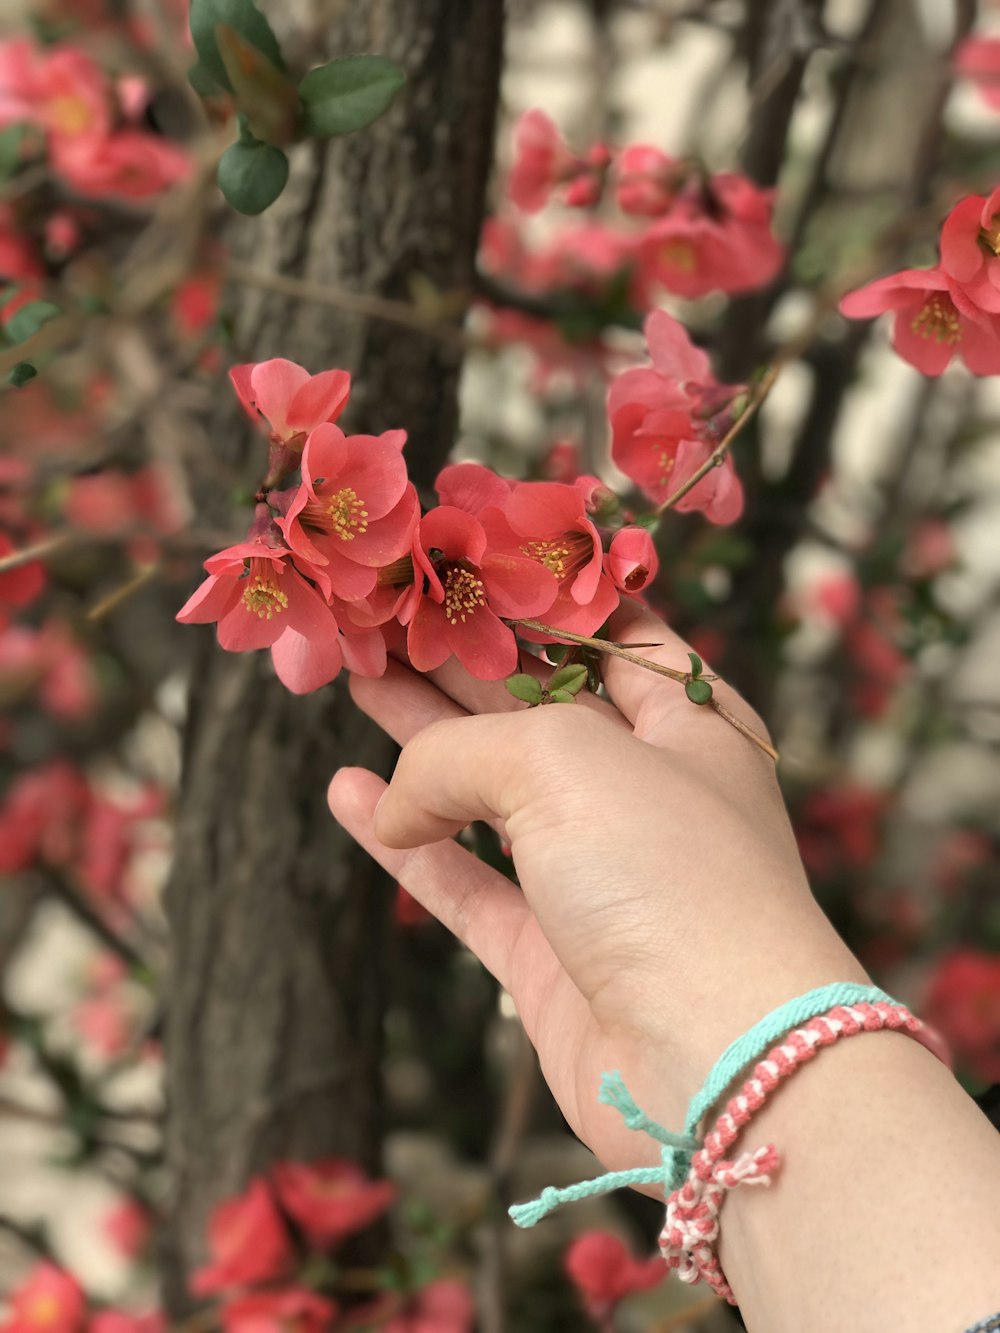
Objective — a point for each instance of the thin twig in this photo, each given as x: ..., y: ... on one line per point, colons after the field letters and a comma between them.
x: 87, y: 914
x: 403, y: 313
x: 682, y: 677
x: 24, y: 556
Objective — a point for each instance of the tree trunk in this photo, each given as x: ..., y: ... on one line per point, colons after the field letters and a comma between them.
x: 278, y: 921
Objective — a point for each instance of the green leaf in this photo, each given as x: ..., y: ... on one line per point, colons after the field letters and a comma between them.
x: 570, y: 678
x: 10, y: 149
x: 698, y: 691
x: 560, y: 697
x: 252, y: 175
x: 697, y: 665
x: 348, y: 94
x: 243, y: 17
x: 524, y: 687
x: 21, y: 374
x: 29, y: 319
x: 555, y: 652
x: 201, y: 81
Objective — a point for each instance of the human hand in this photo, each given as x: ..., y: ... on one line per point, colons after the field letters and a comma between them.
x: 663, y: 906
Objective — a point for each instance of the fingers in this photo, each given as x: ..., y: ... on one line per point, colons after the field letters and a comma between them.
x: 403, y: 702
x: 657, y: 707
x: 482, y: 908
x: 496, y: 766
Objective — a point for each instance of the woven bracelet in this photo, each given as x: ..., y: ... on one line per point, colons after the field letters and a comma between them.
x: 689, y: 1239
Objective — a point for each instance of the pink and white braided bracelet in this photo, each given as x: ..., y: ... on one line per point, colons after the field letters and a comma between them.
x: 688, y: 1241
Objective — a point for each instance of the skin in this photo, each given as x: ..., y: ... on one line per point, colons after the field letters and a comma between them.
x: 663, y: 910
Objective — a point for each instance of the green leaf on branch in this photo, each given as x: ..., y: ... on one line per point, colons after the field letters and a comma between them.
x: 524, y: 687
x: 252, y: 174
x: 21, y: 374
x: 264, y: 93
x: 698, y: 691
x: 697, y: 665
x: 348, y: 94
x: 569, y: 679
x: 561, y: 696
x: 245, y: 19
x: 26, y: 322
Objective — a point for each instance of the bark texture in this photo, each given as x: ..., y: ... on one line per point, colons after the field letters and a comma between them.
x: 278, y: 922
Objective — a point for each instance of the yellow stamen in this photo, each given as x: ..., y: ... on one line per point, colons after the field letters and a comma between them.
x: 262, y: 597
x: 346, y: 512
x: 678, y: 254
x: 463, y: 594
x: 69, y: 115
x: 938, y: 319
x: 552, y: 554
x: 990, y: 236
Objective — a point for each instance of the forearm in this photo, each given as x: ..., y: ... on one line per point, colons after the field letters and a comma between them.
x: 884, y: 1214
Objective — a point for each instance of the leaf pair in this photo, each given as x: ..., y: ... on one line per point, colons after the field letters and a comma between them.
x: 561, y: 688
x: 239, y: 54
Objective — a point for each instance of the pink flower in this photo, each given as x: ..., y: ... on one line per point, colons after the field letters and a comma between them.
x: 963, y: 1003
x: 62, y: 90
x: 464, y: 590
x: 841, y: 827
x: 285, y: 1310
x: 978, y: 58
x: 647, y: 180
x: 48, y: 1301
x: 260, y: 600
x: 330, y: 1200
x: 119, y: 1321
x: 355, y: 510
x: 128, y: 1225
x: 443, y: 1306
x: 248, y: 1243
x: 631, y: 561
x: 19, y: 586
x: 666, y: 421
x: 970, y: 249
x: 716, y: 237
x: 195, y: 301
x: 542, y: 160
x: 934, y: 320
x: 291, y: 401
x: 603, y: 1271
x: 40, y: 816
x: 129, y: 164
x: 547, y: 522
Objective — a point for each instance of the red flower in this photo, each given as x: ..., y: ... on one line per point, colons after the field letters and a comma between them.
x: 290, y: 400
x: 964, y: 1005
x: 443, y: 1306
x: 463, y: 593
x: 716, y: 237
x: 978, y: 58
x: 631, y: 560
x: 841, y: 827
x: 355, y: 510
x: 547, y: 522
x: 287, y: 1310
x: 128, y: 1225
x: 129, y: 164
x: 19, y: 586
x: 40, y: 816
x: 118, y: 1321
x: 935, y: 320
x: 970, y: 249
x: 666, y: 421
x: 48, y: 1301
x: 248, y: 1243
x: 647, y: 180
x: 542, y: 160
x: 261, y: 601
x: 330, y: 1200
x: 603, y: 1271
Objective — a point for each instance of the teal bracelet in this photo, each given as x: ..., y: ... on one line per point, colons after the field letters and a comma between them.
x: 678, y: 1149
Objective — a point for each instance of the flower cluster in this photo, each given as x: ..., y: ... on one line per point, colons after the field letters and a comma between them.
x: 952, y: 309
x: 89, y: 126
x: 695, y: 232
x: 343, y: 562
x: 604, y: 1271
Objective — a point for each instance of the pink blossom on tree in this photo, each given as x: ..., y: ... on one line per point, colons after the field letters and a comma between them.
x: 282, y: 1310
x: 355, y: 510
x: 978, y: 59
x: 330, y: 1199
x: 970, y: 249
x: 631, y: 561
x: 291, y: 401
x: 49, y: 1300
x: 604, y: 1271
x: 935, y: 320
x: 248, y: 1243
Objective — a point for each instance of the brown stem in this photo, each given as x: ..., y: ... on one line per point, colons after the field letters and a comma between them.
x: 48, y: 546
x: 682, y: 677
